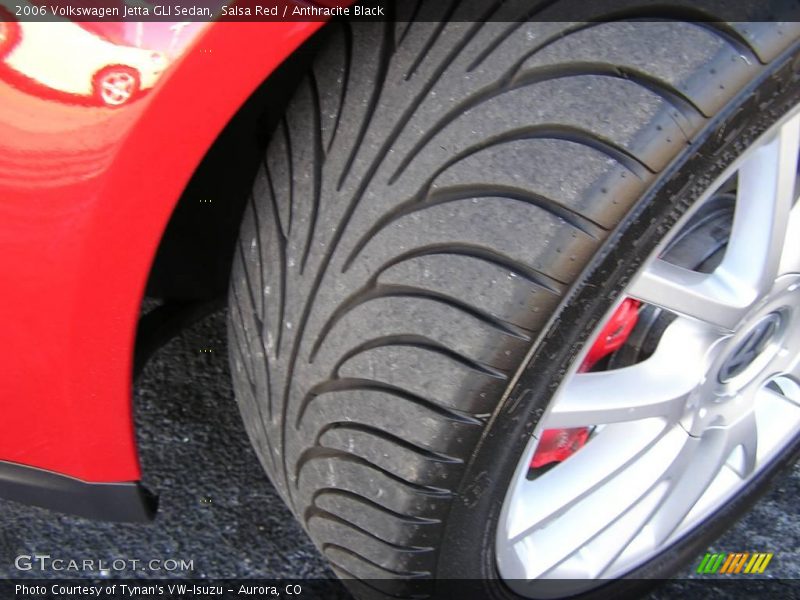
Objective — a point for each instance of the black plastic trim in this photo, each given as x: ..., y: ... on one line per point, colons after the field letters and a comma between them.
x: 126, y: 501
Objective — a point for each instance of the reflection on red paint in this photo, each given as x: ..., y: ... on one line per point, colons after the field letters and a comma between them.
x: 92, y: 63
x: 62, y: 85
x: 54, y: 55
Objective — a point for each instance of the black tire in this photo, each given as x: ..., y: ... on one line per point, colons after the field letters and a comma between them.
x: 446, y: 211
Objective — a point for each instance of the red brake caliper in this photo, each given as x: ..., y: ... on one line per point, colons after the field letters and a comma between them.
x: 557, y: 445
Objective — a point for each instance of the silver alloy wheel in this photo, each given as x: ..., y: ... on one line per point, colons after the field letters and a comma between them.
x: 677, y: 435
x: 117, y: 87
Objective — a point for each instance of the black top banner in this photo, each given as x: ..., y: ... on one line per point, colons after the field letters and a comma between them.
x: 397, y: 10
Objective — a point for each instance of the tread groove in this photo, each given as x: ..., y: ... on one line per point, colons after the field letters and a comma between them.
x: 259, y: 248
x: 557, y: 131
x: 387, y: 50
x: 290, y: 164
x: 318, y: 453
x: 348, y: 59
x: 313, y: 512
x: 423, y: 343
x: 281, y: 263
x: 532, y: 275
x: 250, y: 294
x: 354, y: 384
x: 424, y: 453
x: 463, y: 192
x: 374, y: 291
x: 411, y: 20
x: 355, y: 497
x: 238, y: 342
x: 507, y: 33
x: 316, y: 127
x: 435, y: 34
x: 240, y: 347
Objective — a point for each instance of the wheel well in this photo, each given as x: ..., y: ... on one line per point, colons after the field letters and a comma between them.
x: 189, y: 275
x: 193, y: 260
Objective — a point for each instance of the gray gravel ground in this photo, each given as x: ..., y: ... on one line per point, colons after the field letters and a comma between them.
x: 220, y: 511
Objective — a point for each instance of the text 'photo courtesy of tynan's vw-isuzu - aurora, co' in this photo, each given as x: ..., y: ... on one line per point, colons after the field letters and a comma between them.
x: 507, y: 295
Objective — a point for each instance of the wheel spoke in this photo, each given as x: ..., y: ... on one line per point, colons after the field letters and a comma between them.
x: 715, y: 299
x: 777, y: 415
x: 781, y: 397
x: 754, y: 255
x: 612, y: 449
x: 790, y: 260
x: 671, y: 495
x: 677, y: 494
x: 656, y: 387
x: 592, y: 512
x: 604, y: 550
x: 763, y: 204
x: 789, y: 365
x: 744, y: 435
x: 693, y: 472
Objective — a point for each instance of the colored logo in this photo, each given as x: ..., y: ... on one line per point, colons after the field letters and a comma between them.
x: 734, y: 563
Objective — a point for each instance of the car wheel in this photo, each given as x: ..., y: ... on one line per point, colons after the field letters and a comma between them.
x: 9, y: 32
x: 117, y: 85
x: 520, y: 302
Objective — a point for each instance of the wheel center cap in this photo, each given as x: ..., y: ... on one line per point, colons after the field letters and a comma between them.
x: 767, y: 345
x: 750, y: 348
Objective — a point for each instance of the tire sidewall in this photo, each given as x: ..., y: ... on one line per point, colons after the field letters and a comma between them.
x: 468, y: 549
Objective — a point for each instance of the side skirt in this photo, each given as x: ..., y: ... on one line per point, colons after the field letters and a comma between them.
x: 125, y: 501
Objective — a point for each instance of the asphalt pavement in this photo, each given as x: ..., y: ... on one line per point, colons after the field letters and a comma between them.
x: 219, y: 511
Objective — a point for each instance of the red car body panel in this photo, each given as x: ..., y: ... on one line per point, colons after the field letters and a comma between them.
x: 85, y: 194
